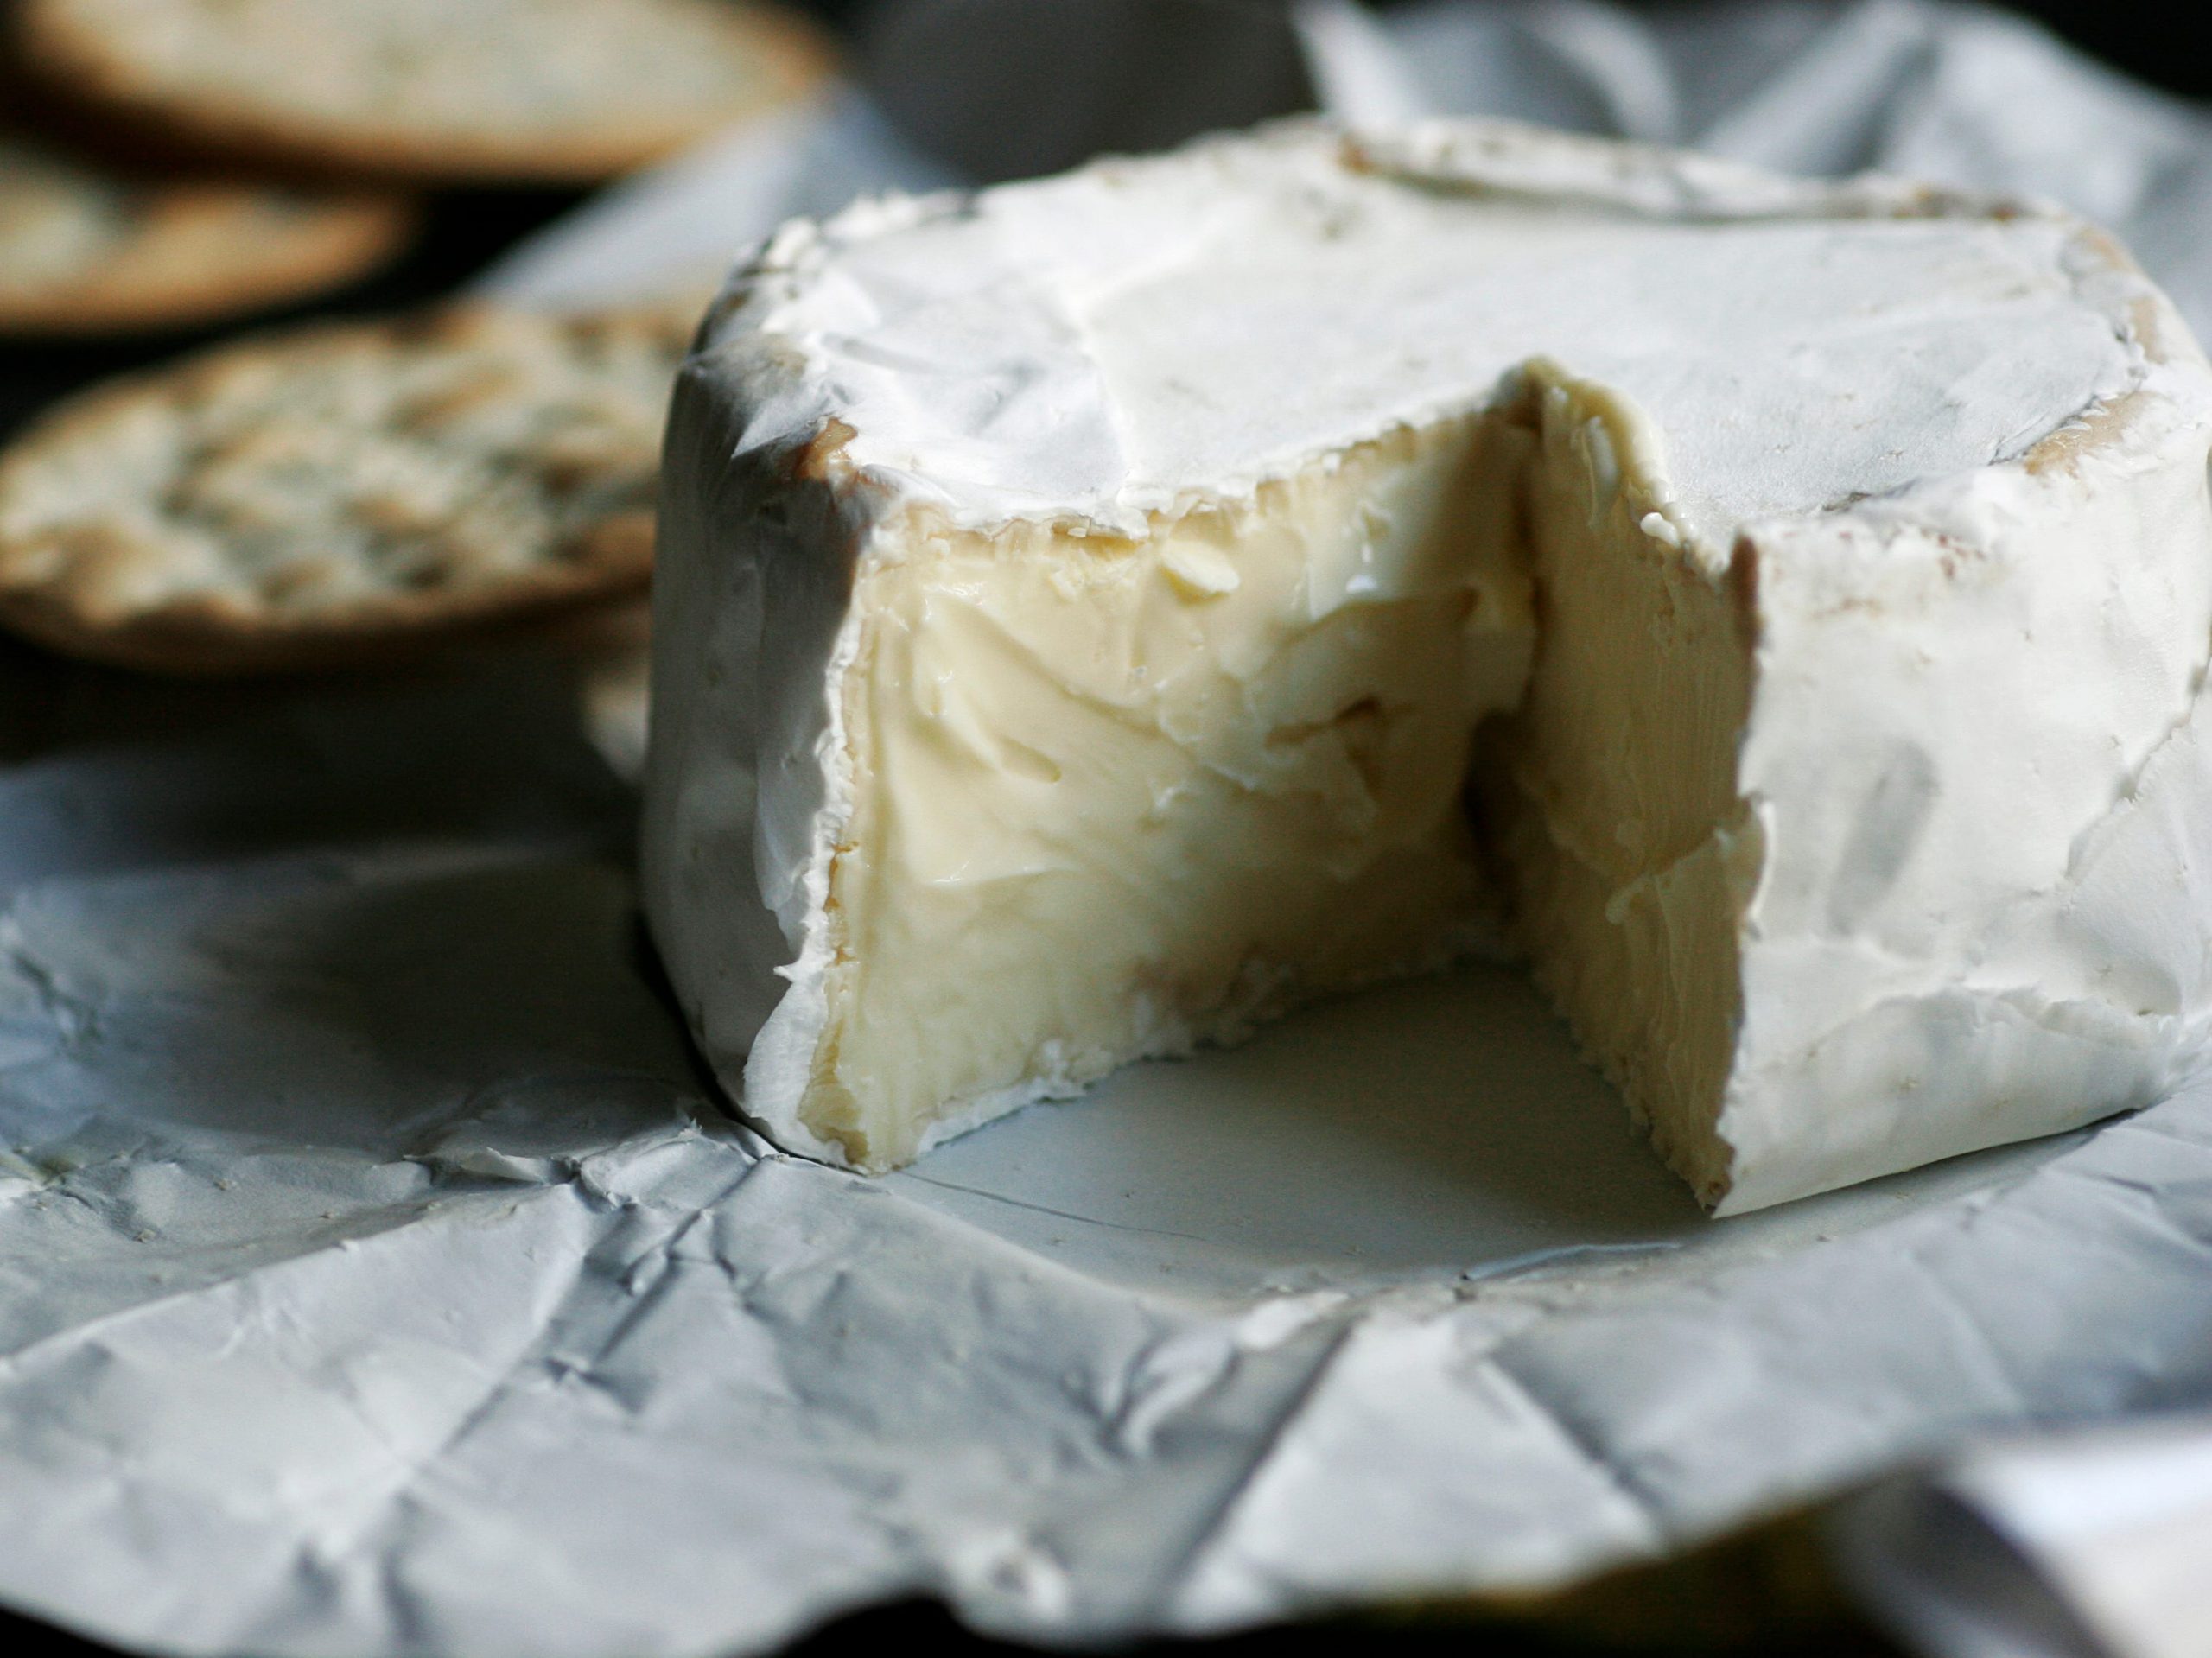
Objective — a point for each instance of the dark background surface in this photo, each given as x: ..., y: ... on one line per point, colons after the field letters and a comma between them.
x: 2169, y: 47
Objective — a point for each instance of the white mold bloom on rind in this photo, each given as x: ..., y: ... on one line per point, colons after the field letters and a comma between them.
x: 1951, y: 450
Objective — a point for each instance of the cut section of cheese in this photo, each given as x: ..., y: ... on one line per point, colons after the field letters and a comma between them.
x: 1114, y: 795
x: 1631, y: 853
x: 1094, y: 616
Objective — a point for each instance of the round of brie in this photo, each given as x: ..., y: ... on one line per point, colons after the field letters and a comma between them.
x: 1094, y: 615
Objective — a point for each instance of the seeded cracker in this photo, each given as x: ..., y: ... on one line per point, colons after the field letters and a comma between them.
x: 428, y: 91
x: 342, y: 494
x: 82, y: 252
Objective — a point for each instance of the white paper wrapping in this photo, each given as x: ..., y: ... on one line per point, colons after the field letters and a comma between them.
x: 378, y: 1277
x: 2075, y: 1543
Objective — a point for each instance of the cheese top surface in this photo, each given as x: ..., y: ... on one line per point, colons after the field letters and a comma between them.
x: 1124, y: 339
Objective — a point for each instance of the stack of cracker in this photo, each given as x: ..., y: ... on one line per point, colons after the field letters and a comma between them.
x: 336, y: 494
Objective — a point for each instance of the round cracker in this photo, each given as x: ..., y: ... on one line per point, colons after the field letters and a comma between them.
x: 555, y: 91
x: 341, y: 495
x: 83, y: 252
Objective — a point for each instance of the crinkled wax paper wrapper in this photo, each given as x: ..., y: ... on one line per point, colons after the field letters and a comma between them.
x: 376, y: 1275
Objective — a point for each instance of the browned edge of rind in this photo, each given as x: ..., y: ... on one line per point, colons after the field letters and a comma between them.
x: 2151, y: 324
x: 95, y: 86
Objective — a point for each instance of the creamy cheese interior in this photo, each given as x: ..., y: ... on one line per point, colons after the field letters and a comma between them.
x: 1612, y: 792
x: 1116, y: 795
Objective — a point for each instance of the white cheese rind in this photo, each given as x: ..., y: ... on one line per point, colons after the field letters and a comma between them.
x: 1978, y: 714
x: 1839, y: 380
